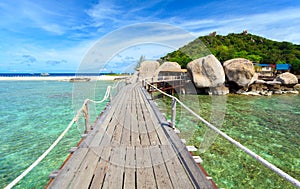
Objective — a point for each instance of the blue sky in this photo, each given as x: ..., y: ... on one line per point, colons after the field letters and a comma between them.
x: 55, y: 36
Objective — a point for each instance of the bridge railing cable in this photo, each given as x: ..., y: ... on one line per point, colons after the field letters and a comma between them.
x: 84, y: 109
x: 267, y: 164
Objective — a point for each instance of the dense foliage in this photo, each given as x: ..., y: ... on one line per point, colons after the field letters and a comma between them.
x: 244, y: 45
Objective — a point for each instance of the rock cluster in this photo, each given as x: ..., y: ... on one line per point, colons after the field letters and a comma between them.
x: 236, y: 75
x: 241, y: 78
x: 282, y: 84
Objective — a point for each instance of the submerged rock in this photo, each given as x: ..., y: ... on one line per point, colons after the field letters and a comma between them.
x: 251, y: 93
x: 240, y: 71
x: 221, y: 90
x: 292, y: 92
x: 206, y: 72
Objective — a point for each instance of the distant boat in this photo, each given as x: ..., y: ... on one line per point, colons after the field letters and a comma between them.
x: 45, y: 74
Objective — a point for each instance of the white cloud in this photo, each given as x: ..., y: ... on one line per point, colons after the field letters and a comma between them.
x: 21, y: 20
x: 103, y: 11
x: 53, y: 28
x: 134, y: 35
x: 278, y: 25
x: 42, y: 59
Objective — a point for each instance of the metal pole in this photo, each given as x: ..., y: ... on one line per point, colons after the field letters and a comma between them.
x: 173, y: 116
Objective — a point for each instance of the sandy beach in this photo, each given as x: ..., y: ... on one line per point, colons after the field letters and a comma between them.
x: 62, y: 78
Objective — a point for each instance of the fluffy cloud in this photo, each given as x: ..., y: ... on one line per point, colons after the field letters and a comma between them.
x: 28, y: 58
x: 55, y: 62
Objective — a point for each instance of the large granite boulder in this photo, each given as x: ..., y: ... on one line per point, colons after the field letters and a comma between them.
x: 167, y: 67
x: 240, y: 71
x: 206, y: 72
x: 287, y: 79
x: 147, y: 69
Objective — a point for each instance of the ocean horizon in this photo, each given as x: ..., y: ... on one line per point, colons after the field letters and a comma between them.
x: 54, y: 74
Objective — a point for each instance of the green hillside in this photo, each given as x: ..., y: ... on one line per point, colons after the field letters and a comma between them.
x: 244, y: 45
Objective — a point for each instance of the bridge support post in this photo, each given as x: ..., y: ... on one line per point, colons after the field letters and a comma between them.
x: 86, y: 117
x: 173, y: 116
x: 110, y: 97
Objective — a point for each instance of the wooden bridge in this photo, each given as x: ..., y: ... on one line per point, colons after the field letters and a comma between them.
x: 131, y: 146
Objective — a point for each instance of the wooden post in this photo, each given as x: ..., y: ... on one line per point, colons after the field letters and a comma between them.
x: 152, y: 95
x: 173, y: 116
x: 86, y: 117
x: 110, y: 96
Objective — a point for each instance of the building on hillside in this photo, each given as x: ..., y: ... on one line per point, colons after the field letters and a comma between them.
x: 265, y: 70
x: 172, y: 74
x: 268, y: 71
x: 281, y: 68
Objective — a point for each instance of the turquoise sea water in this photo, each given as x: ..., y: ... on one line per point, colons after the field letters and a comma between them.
x: 33, y: 114
x: 269, y: 126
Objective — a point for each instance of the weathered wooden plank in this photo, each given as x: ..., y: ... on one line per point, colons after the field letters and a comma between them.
x: 114, y: 176
x: 126, y: 135
x: 154, y: 140
x: 195, y: 174
x: 100, y: 127
x: 153, y: 125
x: 101, y: 169
x: 86, y: 170
x: 130, y: 168
x: 131, y: 149
x: 144, y: 138
x: 144, y: 172
x: 178, y: 175
x: 66, y: 175
x: 70, y: 169
x: 160, y: 170
x: 135, y: 136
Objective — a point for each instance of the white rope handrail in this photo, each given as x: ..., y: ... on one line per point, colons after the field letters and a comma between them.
x: 75, y: 119
x: 116, y: 84
x: 106, y: 96
x: 236, y: 143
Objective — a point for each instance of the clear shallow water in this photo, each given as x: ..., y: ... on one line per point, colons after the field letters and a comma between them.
x: 34, y: 113
x: 269, y: 126
x: 32, y: 116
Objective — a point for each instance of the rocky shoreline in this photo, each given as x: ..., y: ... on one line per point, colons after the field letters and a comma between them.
x: 235, y: 76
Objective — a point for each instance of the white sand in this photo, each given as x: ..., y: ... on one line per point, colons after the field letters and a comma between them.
x: 60, y: 78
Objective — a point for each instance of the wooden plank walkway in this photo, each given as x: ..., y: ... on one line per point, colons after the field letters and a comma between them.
x: 131, y: 147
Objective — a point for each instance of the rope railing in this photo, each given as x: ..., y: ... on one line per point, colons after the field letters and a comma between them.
x: 84, y: 110
x: 267, y: 164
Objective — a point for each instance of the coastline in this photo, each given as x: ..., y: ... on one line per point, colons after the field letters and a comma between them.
x: 62, y: 78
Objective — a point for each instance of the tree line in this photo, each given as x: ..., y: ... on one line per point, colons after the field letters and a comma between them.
x: 244, y: 45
